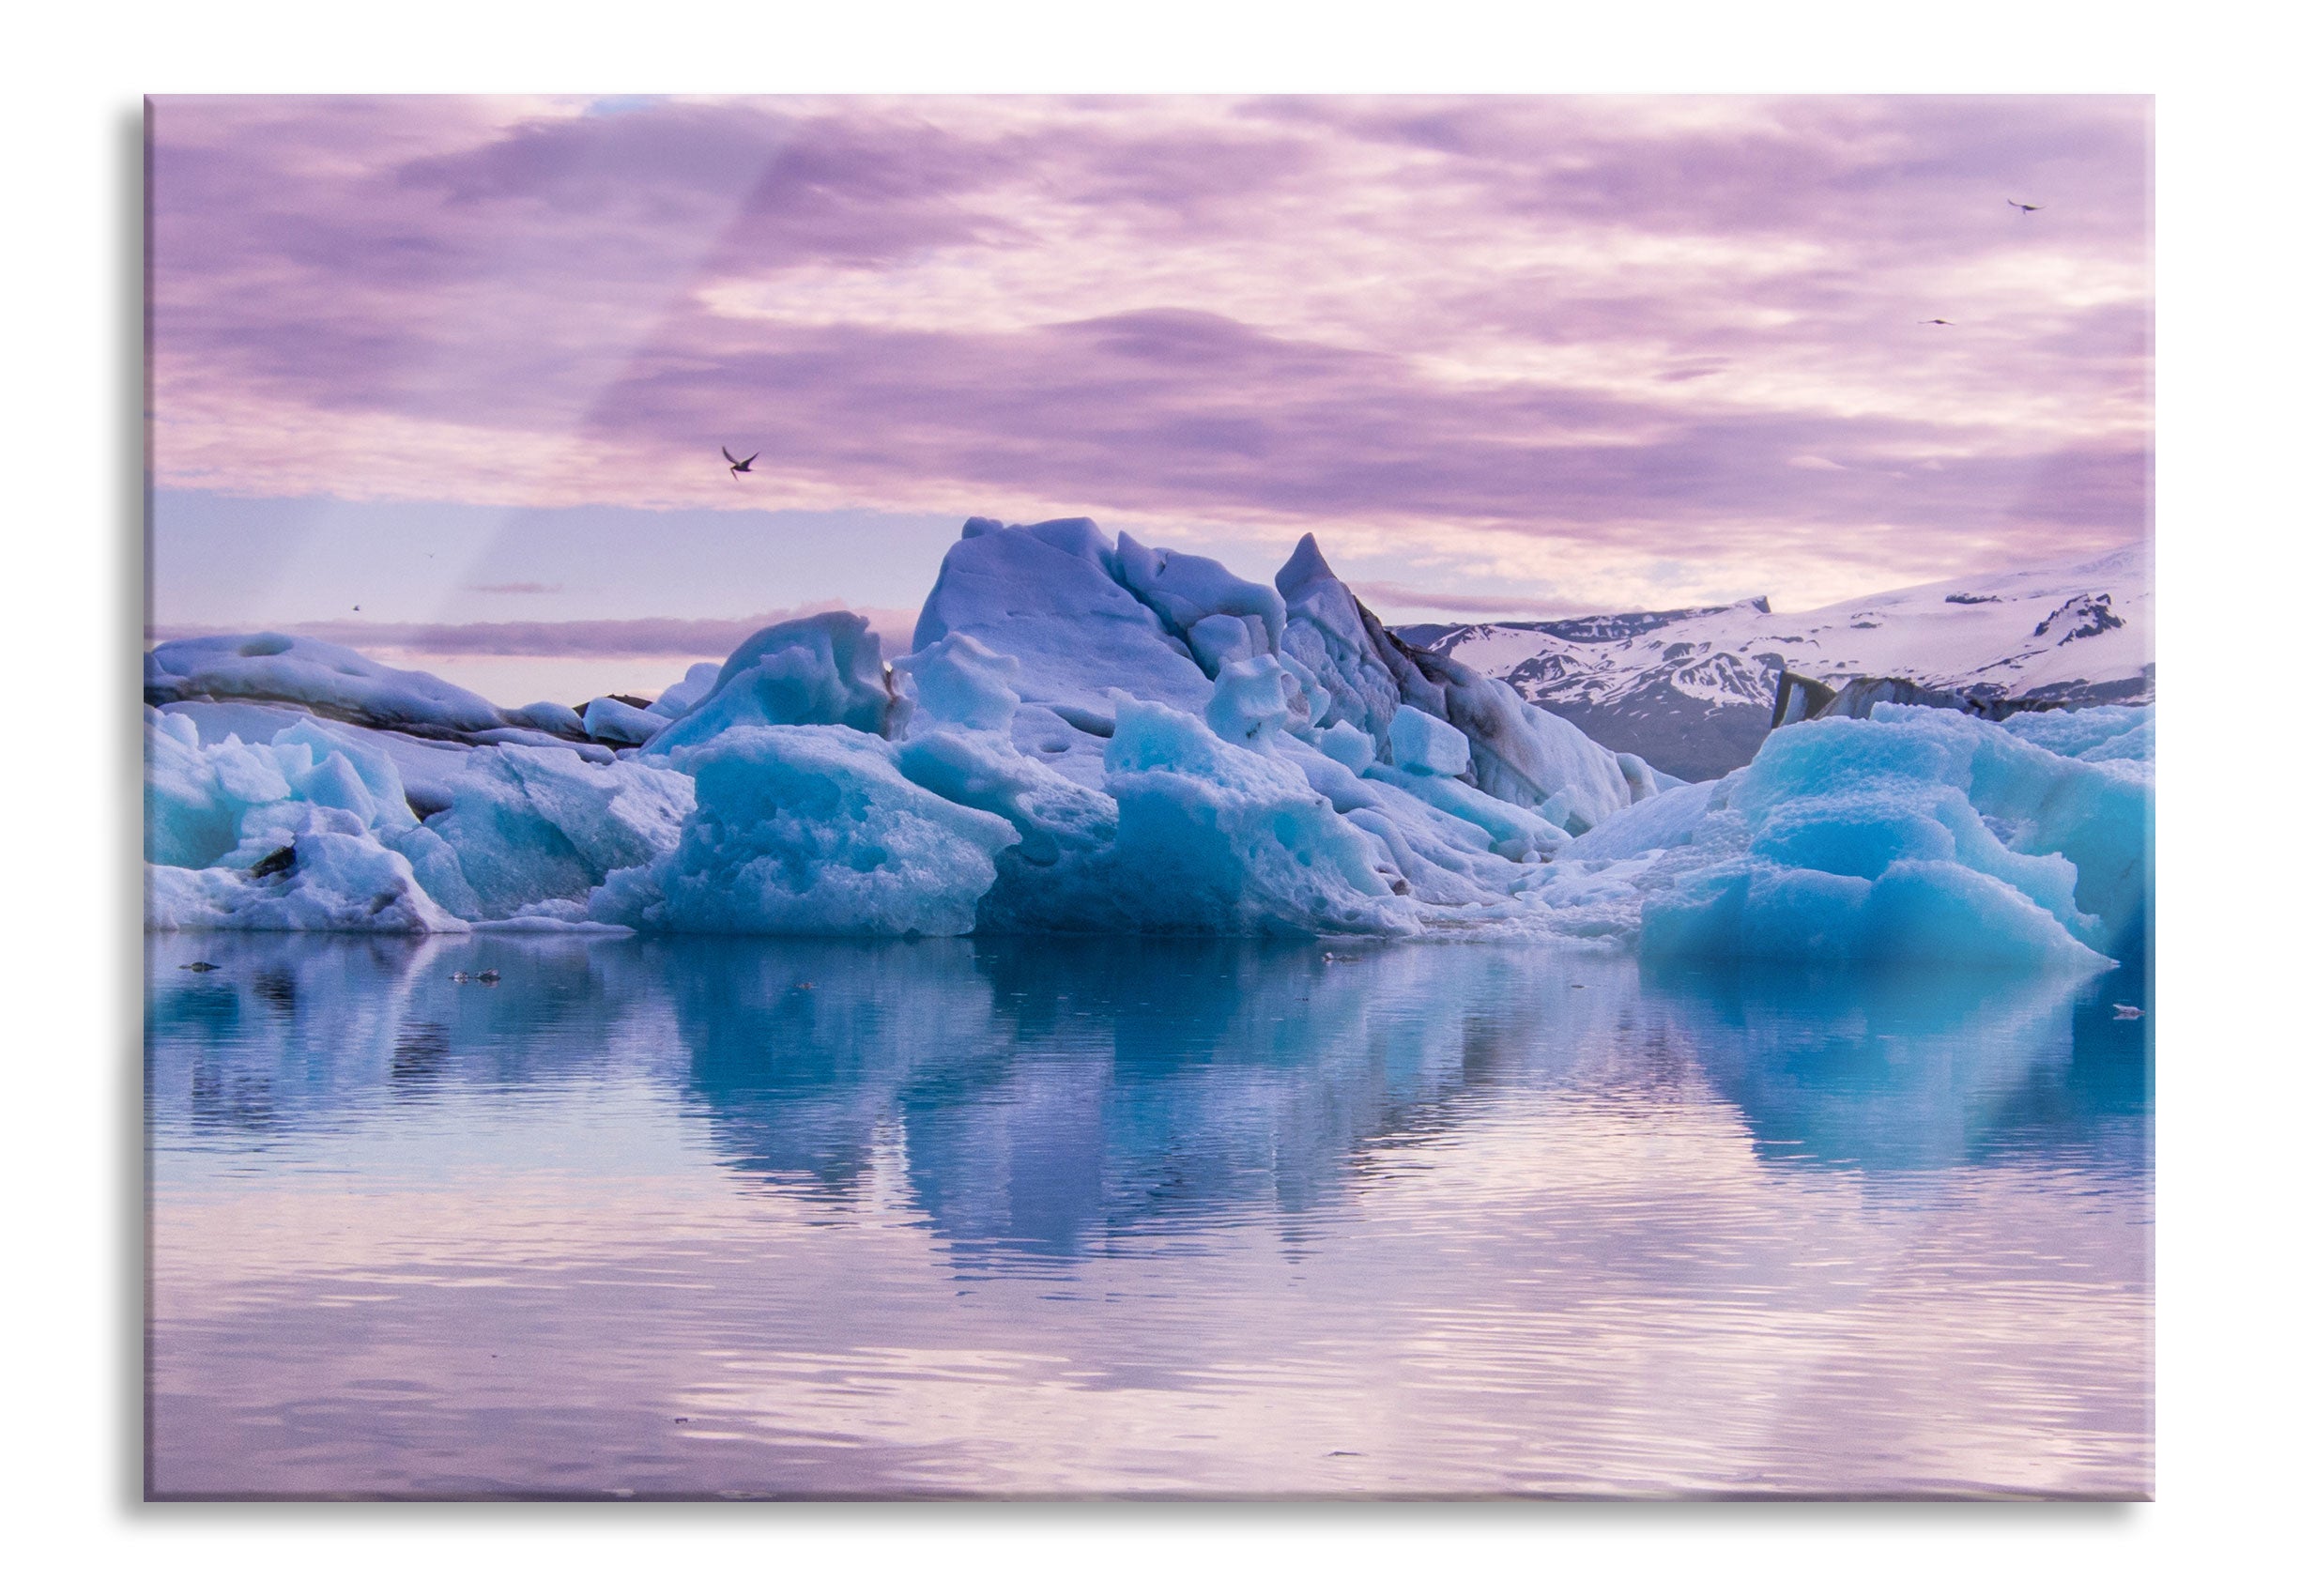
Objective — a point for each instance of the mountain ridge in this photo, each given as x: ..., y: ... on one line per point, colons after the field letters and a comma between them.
x: 1692, y: 690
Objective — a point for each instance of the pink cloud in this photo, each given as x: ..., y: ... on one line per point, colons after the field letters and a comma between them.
x: 651, y: 637
x: 1563, y: 324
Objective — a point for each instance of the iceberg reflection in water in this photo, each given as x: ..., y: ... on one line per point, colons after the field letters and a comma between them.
x: 697, y: 1218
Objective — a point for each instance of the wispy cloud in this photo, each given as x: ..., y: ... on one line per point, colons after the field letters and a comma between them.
x: 1518, y: 608
x: 1510, y: 332
x: 515, y: 588
x: 652, y: 637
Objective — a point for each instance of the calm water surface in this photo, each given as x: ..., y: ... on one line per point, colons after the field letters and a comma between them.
x: 703, y: 1218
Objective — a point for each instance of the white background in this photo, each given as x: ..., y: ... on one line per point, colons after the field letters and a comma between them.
x: 70, y: 385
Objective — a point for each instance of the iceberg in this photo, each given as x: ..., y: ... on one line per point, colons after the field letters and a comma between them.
x: 526, y: 826
x: 556, y: 719
x: 1217, y: 838
x: 688, y: 691
x: 1519, y: 753
x: 198, y: 800
x: 279, y: 835
x: 810, y: 830
x: 1095, y: 735
x: 2109, y: 731
x: 1218, y: 617
x: 611, y: 721
x: 1049, y: 598
x: 330, y: 679
x: 1361, y: 667
x: 512, y: 826
x: 329, y: 881
x: 821, y: 671
x: 1667, y: 820
x: 1918, y: 834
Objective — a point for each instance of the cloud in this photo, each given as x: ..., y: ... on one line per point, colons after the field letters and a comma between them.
x: 1518, y: 608
x: 650, y: 636
x: 1524, y: 330
x: 515, y: 588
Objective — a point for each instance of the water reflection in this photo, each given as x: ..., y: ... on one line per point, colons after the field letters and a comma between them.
x: 1020, y: 1218
x: 1044, y: 1099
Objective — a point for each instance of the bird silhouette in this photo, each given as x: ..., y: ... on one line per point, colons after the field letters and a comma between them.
x: 735, y: 467
x: 2024, y: 210
x: 1935, y: 321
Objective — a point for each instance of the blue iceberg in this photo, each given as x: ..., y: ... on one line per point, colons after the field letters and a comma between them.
x: 1096, y: 735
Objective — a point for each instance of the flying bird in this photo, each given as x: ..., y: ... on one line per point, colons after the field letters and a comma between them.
x: 2024, y: 210
x: 735, y: 467
x: 1935, y: 321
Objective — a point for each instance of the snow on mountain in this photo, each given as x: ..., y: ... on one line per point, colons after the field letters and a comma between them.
x: 1092, y: 735
x: 1692, y: 690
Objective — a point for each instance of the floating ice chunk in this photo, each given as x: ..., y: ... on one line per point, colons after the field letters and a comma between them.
x: 1049, y: 598
x: 688, y: 691
x: 1420, y: 743
x: 1916, y: 911
x: 1214, y: 837
x: 812, y: 831
x: 822, y: 670
x: 1919, y: 834
x: 611, y: 720
x: 437, y: 869
x: 335, y: 881
x: 959, y: 682
x: 527, y: 824
x: 197, y: 798
x: 421, y: 763
x: 1517, y: 753
x: 328, y: 677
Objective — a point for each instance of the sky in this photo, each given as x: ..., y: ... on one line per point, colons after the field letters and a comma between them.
x: 467, y: 363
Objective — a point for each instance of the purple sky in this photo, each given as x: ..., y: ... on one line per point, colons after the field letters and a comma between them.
x: 1520, y: 356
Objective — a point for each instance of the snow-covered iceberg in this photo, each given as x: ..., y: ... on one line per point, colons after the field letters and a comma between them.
x: 1095, y: 735
x: 276, y: 668
x: 1049, y: 598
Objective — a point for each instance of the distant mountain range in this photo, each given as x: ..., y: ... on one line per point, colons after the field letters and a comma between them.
x: 1692, y: 690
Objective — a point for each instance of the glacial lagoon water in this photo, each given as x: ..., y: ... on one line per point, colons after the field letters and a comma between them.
x: 703, y: 1218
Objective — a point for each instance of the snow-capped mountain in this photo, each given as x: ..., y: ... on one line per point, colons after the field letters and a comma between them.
x: 1692, y: 690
